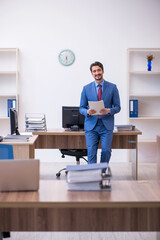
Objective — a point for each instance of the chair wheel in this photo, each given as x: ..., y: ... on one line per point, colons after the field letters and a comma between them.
x: 6, y: 235
x: 58, y: 174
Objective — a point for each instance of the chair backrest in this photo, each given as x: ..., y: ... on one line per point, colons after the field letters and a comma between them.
x: 6, y: 151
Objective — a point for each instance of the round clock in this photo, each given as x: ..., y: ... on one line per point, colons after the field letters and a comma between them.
x: 66, y: 57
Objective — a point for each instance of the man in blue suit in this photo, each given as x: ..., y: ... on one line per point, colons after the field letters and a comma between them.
x: 99, y: 127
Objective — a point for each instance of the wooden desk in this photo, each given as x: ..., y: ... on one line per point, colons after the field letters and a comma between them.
x: 23, y: 150
x: 130, y: 206
x: 61, y: 139
x: 158, y: 157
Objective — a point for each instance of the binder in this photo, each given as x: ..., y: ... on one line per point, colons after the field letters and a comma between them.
x: 11, y: 103
x: 133, y: 108
x: 84, y: 176
x: 85, y: 186
x: 86, y: 167
x: 88, y: 177
x: 124, y: 128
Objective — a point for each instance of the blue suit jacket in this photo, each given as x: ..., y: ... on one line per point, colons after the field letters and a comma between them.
x: 110, y: 96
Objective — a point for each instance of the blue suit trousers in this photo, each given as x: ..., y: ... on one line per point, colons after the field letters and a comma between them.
x: 92, y: 140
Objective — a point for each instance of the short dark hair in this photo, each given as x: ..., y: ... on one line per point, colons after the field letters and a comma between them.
x: 96, y: 64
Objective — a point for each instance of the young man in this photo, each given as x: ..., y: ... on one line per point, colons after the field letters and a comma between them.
x: 99, y: 127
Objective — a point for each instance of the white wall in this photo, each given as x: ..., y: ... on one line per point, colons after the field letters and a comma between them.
x: 95, y: 30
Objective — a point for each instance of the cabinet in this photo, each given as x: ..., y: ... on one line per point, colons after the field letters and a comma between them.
x: 8, y: 84
x: 144, y: 86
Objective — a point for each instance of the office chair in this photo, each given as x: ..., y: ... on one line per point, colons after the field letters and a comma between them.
x: 6, y: 152
x: 77, y: 153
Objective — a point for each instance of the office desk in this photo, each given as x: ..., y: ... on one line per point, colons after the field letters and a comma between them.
x: 23, y: 150
x: 130, y: 206
x: 158, y: 157
x: 61, y: 139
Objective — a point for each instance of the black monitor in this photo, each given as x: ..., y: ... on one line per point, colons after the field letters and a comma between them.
x: 13, y: 121
x: 72, y: 119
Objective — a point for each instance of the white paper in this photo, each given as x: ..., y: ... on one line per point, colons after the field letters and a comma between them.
x: 97, y: 106
x: 26, y: 134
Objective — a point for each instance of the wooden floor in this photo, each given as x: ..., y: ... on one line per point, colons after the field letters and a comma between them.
x: 121, y: 171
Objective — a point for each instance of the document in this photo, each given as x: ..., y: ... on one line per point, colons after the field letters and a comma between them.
x: 15, y: 138
x: 97, y: 106
x: 84, y: 176
x: 85, y: 186
x: 88, y: 177
x: 86, y: 167
x: 124, y: 128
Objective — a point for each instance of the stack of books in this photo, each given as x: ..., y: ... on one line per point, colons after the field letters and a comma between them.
x: 88, y: 177
x: 124, y: 128
x: 35, y: 122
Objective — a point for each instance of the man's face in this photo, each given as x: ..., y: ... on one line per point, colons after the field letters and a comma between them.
x: 97, y: 73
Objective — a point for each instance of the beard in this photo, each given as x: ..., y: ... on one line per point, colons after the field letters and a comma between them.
x: 98, y: 77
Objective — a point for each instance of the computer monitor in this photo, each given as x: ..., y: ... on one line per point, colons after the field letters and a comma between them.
x: 72, y: 119
x: 13, y: 121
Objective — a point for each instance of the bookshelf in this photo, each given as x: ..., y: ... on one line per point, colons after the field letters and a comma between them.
x: 144, y: 85
x: 9, y: 58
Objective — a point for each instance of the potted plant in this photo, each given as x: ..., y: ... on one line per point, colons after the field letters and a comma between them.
x: 150, y: 58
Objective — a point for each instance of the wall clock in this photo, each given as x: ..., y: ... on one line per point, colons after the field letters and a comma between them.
x: 66, y: 57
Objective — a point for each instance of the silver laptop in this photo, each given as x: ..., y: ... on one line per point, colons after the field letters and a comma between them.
x: 19, y: 175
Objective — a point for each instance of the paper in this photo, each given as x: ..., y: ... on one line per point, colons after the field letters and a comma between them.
x: 29, y: 134
x: 84, y: 176
x: 97, y: 106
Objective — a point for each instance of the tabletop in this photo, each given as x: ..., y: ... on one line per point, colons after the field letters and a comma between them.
x: 61, y: 131
x: 54, y: 193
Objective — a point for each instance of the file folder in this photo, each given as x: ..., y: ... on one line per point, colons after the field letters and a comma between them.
x: 86, y: 167
x: 133, y: 108
x: 11, y: 103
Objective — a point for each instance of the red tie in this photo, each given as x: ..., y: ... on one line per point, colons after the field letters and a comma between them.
x: 99, y: 96
x: 99, y: 92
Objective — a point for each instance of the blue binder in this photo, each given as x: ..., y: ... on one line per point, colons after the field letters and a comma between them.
x: 87, y: 167
x: 133, y: 108
x: 11, y: 103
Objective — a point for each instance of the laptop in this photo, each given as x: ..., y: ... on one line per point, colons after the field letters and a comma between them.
x: 19, y: 175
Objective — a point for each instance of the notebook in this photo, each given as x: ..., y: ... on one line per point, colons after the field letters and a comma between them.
x: 19, y: 175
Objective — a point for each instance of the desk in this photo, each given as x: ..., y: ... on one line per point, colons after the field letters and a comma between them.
x: 61, y: 139
x: 158, y: 157
x: 23, y: 150
x: 130, y: 206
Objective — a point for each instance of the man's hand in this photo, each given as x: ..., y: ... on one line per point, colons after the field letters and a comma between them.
x: 105, y: 111
x: 91, y: 111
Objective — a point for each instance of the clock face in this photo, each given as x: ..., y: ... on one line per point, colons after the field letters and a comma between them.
x: 66, y: 57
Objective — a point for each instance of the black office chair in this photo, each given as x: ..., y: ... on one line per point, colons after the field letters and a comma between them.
x: 77, y: 153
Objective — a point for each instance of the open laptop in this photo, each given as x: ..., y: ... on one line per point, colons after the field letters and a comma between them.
x: 19, y: 175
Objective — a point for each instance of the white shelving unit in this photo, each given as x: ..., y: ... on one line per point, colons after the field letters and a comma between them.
x: 9, y: 58
x: 144, y: 85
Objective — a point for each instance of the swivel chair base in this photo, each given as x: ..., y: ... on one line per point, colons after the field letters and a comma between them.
x: 4, y: 235
x: 78, y: 153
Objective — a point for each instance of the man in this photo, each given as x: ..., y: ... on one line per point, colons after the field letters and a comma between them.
x: 99, y: 127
